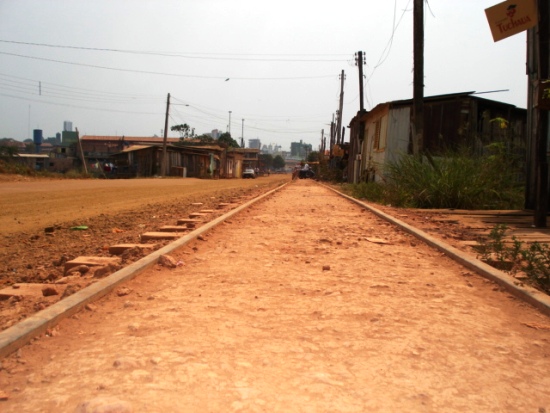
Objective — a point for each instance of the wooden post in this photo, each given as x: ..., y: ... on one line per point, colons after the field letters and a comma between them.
x: 81, y: 151
x: 339, y: 126
x: 360, y: 61
x: 541, y: 154
x: 164, y: 162
x: 418, y: 79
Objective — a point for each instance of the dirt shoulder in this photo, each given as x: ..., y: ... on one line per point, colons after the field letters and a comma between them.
x: 36, y: 217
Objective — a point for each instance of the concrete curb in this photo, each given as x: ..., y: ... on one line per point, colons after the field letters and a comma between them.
x: 21, y: 333
x: 537, y: 299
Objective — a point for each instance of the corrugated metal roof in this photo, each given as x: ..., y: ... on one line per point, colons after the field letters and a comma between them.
x: 145, y: 139
x: 31, y: 155
x: 136, y: 148
x: 435, y: 98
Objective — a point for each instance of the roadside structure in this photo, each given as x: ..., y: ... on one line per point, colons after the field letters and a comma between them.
x: 129, y: 157
x: 451, y: 121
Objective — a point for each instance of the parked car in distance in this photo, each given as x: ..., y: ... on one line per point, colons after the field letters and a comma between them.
x: 249, y: 173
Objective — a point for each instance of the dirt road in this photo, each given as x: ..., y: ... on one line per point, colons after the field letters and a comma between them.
x: 113, y: 211
x: 32, y: 205
x: 303, y: 303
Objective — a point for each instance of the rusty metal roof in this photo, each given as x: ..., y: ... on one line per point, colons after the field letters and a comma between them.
x: 144, y: 139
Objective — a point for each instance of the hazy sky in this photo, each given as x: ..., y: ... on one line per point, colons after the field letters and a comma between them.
x: 108, y: 65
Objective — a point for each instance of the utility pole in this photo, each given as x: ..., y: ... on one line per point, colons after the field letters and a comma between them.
x: 339, y: 126
x: 242, y: 136
x: 541, y: 160
x: 332, y: 134
x: 359, y: 62
x: 418, y: 78
x: 164, y: 160
x: 229, y: 127
x: 81, y: 151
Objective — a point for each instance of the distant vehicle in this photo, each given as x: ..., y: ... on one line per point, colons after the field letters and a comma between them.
x: 304, y: 174
x: 249, y: 173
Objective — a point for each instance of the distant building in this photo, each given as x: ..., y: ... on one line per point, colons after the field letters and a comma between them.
x: 69, y: 138
x: 300, y: 149
x: 254, y: 144
x: 56, y: 140
x: 67, y: 126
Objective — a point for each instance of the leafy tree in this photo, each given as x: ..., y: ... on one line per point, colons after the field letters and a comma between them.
x: 204, y: 138
x: 184, y: 130
x: 278, y: 162
x: 266, y: 160
x: 313, y: 157
x: 8, y: 150
x: 228, y: 140
x: 30, y: 147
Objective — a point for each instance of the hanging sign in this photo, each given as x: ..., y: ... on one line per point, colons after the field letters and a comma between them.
x: 511, y: 17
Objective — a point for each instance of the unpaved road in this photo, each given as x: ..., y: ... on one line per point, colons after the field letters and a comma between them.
x: 295, y: 305
x: 114, y: 212
x: 26, y: 206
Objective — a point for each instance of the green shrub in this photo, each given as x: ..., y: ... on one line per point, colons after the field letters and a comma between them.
x: 8, y: 166
x: 533, y: 259
x: 458, y: 180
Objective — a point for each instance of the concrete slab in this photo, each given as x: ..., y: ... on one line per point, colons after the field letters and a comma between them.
x: 153, y: 236
x: 197, y: 215
x: 29, y: 290
x: 182, y: 221
x: 120, y: 248
x: 174, y: 228
x: 91, y: 262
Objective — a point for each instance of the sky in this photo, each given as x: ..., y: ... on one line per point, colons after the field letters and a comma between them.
x: 261, y: 70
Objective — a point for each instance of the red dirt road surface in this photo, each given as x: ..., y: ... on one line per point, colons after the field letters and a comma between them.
x: 303, y: 303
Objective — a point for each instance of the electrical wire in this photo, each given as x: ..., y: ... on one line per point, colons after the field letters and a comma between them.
x: 164, y: 73
x: 76, y: 91
x: 387, y: 49
x: 205, y: 56
x: 46, y: 102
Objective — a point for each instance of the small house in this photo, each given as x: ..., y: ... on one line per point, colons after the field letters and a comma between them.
x: 451, y: 121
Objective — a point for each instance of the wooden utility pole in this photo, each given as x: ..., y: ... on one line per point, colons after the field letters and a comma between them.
x: 81, y: 151
x: 418, y: 78
x: 339, y: 126
x: 332, y: 135
x: 242, y: 135
x: 164, y: 162
x: 359, y: 62
x: 541, y: 154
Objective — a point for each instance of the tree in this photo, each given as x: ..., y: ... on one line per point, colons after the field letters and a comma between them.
x: 184, y: 130
x: 30, y: 147
x: 266, y: 160
x: 228, y: 140
x: 278, y: 162
x: 8, y: 150
x: 313, y: 156
x: 204, y: 138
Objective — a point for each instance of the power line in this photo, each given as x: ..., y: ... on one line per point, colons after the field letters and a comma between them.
x: 77, y: 90
x: 386, y: 52
x: 46, y: 102
x: 204, y: 56
x: 164, y: 73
